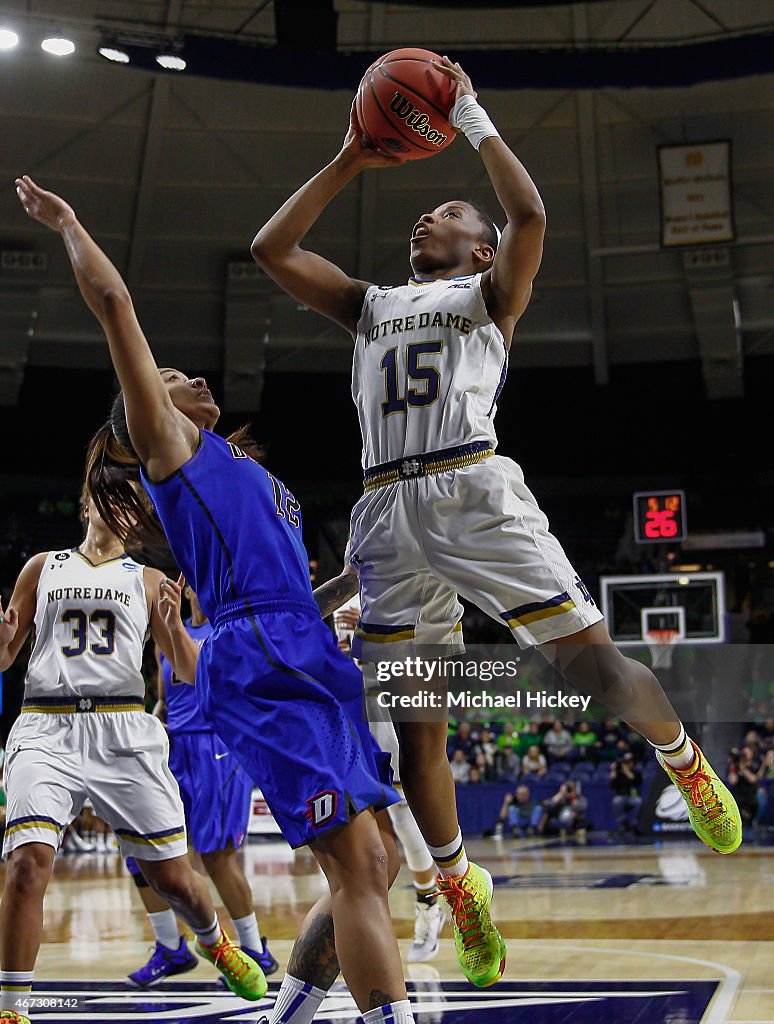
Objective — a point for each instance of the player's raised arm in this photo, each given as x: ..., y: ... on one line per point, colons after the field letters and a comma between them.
x: 152, y: 419
x: 167, y: 629
x: 305, y: 275
x: 508, y: 285
x: 16, y: 621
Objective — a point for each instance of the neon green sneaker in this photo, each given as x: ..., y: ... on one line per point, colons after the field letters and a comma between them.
x: 711, y: 808
x: 480, y: 947
x: 12, y: 1017
x: 242, y: 974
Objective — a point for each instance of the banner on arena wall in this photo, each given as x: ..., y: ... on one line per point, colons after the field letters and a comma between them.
x: 695, y: 185
x: 261, y: 821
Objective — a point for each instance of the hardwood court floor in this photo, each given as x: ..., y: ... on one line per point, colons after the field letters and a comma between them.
x: 595, y: 934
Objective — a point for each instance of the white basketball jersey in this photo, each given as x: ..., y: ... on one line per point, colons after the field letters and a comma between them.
x: 91, y: 623
x: 428, y: 368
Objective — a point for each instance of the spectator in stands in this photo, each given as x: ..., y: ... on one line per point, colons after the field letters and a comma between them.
x: 508, y: 763
x: 519, y: 813
x: 743, y: 774
x: 584, y: 742
x: 474, y: 775
x: 767, y: 734
x: 752, y: 740
x: 462, y: 740
x: 485, y: 752
x: 486, y: 769
x: 460, y: 768
x: 558, y: 742
x: 565, y: 812
x: 533, y: 762
x: 609, y: 735
x: 533, y: 734
x: 626, y: 786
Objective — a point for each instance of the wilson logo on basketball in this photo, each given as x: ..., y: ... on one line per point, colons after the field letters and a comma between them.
x: 416, y: 120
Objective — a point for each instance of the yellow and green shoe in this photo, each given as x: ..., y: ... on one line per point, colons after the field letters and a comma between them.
x: 242, y: 974
x: 711, y: 808
x: 12, y: 1017
x: 480, y: 948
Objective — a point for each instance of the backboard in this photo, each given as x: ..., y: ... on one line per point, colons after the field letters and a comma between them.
x: 691, y: 603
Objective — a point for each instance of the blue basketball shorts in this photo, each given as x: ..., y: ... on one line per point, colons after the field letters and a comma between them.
x: 215, y: 789
x: 288, y: 704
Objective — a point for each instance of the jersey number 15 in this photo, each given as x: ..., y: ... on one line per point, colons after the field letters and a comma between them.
x: 429, y: 376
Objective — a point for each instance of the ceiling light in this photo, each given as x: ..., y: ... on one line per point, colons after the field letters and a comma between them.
x: 59, y: 46
x: 111, y: 53
x: 171, y: 62
x: 8, y: 39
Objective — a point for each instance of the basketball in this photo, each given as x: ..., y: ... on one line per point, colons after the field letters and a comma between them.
x: 403, y: 104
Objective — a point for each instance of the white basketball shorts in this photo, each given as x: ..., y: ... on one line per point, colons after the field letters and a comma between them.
x: 117, y: 759
x: 477, y: 532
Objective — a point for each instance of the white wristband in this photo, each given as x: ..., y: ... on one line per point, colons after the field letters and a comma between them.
x: 472, y: 120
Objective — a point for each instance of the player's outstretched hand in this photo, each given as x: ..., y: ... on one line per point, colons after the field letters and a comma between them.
x: 357, y: 146
x: 46, y: 207
x: 346, y: 618
x: 170, y: 598
x: 455, y: 72
x: 9, y: 622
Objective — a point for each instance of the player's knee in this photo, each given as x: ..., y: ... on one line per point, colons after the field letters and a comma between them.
x: 614, y: 680
x: 28, y: 871
x: 367, y: 869
x: 172, y: 884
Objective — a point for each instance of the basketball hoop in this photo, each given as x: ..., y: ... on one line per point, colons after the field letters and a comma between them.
x: 661, y: 644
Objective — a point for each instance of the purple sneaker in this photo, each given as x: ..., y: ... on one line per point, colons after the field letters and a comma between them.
x: 163, y: 963
x: 264, y: 959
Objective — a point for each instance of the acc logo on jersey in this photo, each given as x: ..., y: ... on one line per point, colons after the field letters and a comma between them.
x: 131, y: 566
x: 322, y: 808
x: 62, y: 556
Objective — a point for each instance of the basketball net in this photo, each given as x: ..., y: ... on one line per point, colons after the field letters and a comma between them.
x: 661, y: 644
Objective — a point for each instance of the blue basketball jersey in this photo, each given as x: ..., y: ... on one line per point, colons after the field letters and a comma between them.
x: 270, y: 680
x: 234, y: 529
x: 183, y: 712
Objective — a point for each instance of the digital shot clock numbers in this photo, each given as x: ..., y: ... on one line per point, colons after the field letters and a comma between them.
x: 659, y: 517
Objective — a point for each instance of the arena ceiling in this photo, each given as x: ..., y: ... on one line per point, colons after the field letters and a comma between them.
x: 174, y: 172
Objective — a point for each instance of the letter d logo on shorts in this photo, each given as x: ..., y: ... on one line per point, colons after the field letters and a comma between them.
x: 322, y: 808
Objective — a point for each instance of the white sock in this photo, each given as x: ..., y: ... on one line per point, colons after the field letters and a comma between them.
x: 451, y: 860
x: 210, y: 935
x: 415, y: 852
x: 391, y: 1013
x: 15, y: 986
x: 164, y: 925
x: 679, y: 754
x: 248, y: 931
x: 297, y: 1002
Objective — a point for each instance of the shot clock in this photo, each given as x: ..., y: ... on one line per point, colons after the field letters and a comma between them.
x: 659, y: 517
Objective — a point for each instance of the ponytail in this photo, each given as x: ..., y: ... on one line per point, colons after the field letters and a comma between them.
x: 113, y: 483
